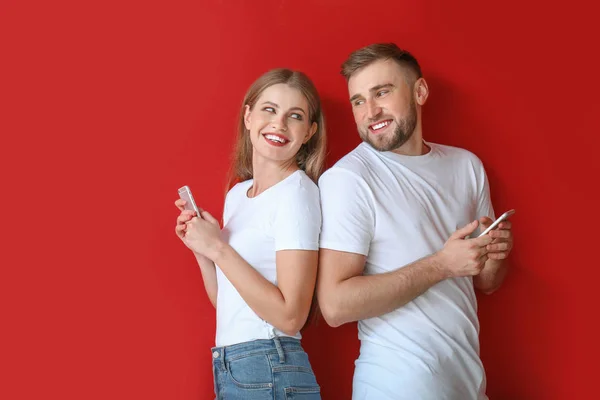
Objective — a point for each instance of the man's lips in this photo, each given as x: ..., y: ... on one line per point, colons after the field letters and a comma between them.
x: 380, y: 126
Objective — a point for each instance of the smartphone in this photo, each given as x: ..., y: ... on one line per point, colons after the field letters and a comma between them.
x: 186, y: 194
x: 503, y: 217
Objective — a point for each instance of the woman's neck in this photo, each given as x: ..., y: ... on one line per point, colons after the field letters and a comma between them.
x: 267, y: 173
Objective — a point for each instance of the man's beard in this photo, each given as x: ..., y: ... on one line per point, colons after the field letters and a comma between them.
x: 404, y: 130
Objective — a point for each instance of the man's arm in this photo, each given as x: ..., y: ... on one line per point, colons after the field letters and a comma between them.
x: 491, y: 277
x: 345, y: 295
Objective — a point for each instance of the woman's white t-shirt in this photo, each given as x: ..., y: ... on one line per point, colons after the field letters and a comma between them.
x: 287, y: 216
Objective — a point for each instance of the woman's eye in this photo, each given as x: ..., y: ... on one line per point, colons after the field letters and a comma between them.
x: 269, y: 109
x: 296, y: 116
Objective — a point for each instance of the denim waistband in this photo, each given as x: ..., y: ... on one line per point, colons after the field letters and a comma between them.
x: 274, y: 345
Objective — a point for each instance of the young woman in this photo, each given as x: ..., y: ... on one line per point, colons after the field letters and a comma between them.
x: 260, y: 270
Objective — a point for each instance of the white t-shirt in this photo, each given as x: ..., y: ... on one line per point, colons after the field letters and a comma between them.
x: 287, y: 216
x: 395, y: 210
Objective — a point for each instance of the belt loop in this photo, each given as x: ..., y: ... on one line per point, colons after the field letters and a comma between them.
x: 219, y: 353
x: 280, y: 352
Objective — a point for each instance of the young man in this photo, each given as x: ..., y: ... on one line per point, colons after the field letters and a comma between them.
x: 399, y: 247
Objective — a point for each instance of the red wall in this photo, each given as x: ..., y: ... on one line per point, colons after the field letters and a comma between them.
x: 108, y: 108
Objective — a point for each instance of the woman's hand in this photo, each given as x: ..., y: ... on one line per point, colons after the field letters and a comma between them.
x: 181, y: 227
x: 203, y: 235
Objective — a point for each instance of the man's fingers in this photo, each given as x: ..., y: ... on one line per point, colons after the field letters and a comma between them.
x: 484, y: 222
x: 482, y: 251
x: 500, y: 233
x: 465, y: 231
x: 482, y: 241
x: 498, y: 256
x: 505, y: 225
x: 484, y: 258
x: 495, y: 247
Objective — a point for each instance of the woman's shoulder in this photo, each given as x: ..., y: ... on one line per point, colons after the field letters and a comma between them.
x: 238, y: 190
x: 301, y: 183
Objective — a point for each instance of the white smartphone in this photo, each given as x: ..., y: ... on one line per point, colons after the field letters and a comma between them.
x: 503, y: 217
x: 186, y: 194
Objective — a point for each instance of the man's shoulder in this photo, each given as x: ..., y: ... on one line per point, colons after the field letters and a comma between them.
x: 357, y: 163
x: 455, y: 153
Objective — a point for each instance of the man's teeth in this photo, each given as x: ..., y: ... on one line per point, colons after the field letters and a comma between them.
x: 275, y: 138
x: 381, y: 125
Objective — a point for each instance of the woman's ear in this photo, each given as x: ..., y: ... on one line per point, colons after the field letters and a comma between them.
x: 311, y: 132
x: 247, y: 113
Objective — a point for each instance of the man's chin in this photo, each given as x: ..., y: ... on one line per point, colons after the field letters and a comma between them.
x: 379, y: 143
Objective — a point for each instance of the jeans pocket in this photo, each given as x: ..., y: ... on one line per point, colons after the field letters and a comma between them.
x: 295, y: 361
x: 251, y: 372
x: 303, y: 393
x: 296, y: 376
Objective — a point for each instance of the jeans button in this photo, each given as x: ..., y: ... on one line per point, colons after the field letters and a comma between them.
x: 215, y: 354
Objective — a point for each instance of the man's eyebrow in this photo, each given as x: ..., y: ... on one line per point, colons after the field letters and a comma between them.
x: 384, y: 86
x: 356, y: 96
x: 373, y: 89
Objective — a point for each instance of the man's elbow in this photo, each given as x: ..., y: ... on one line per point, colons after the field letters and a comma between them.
x: 331, y: 313
x: 489, y: 288
x: 488, y: 291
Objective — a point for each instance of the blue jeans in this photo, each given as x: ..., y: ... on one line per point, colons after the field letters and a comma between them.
x: 269, y: 369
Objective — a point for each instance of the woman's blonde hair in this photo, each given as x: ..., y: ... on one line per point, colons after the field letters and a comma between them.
x: 311, y: 156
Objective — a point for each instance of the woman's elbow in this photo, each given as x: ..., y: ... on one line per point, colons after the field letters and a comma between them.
x: 291, y: 326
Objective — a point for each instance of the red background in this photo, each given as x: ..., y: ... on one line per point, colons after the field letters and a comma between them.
x: 108, y: 107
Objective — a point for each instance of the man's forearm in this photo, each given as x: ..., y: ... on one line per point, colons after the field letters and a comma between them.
x: 363, y: 297
x: 491, y: 276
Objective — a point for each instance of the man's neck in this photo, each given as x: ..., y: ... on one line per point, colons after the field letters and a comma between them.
x: 415, y: 146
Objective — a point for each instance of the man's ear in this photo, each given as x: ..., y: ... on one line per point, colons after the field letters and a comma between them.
x: 421, y: 91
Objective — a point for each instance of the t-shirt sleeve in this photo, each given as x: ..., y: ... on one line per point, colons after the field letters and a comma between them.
x: 298, y: 219
x: 484, y: 200
x: 227, y: 206
x: 348, y: 212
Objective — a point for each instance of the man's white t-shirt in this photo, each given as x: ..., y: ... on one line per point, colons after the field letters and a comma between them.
x: 287, y: 216
x: 396, y: 209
